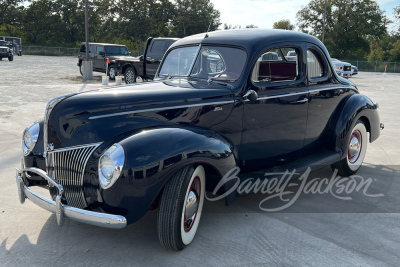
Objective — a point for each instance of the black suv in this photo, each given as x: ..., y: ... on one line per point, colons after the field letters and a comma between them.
x: 98, y: 53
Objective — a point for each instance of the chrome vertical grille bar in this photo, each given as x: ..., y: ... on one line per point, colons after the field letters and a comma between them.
x: 69, y: 167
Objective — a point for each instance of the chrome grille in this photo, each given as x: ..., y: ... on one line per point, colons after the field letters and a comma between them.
x: 67, y: 167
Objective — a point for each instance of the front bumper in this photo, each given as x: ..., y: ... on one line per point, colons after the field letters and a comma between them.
x: 61, y: 210
x: 5, y: 54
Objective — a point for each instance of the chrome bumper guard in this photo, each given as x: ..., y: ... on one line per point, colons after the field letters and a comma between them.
x: 61, y: 210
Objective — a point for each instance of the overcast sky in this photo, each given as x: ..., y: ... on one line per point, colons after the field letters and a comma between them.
x: 263, y: 13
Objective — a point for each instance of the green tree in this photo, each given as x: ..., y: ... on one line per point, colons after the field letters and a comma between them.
x: 251, y: 26
x: 230, y: 27
x: 283, y: 24
x: 350, y: 24
x: 194, y: 16
x: 11, y: 14
x: 396, y: 12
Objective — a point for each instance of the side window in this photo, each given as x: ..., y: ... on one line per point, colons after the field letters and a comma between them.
x: 83, y: 48
x: 99, y: 49
x: 209, y: 63
x: 314, y: 65
x: 158, y: 47
x: 276, y: 65
x: 92, y: 50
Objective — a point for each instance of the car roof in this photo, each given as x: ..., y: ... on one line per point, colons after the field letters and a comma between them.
x: 250, y: 39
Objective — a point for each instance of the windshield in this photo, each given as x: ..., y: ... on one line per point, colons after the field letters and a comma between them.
x: 217, y: 63
x: 117, y: 50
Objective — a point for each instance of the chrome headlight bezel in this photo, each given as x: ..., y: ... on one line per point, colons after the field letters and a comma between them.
x: 33, y: 132
x: 116, y: 157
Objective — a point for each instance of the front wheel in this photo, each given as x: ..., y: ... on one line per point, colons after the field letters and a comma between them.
x: 10, y: 58
x: 181, y: 204
x: 130, y: 75
x: 111, y: 72
x: 356, y: 150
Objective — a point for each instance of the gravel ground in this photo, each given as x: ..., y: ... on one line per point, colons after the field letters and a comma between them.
x: 239, y: 235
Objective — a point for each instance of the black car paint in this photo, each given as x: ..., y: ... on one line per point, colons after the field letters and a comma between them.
x: 218, y: 139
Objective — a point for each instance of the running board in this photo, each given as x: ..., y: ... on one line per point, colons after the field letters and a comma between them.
x: 315, y: 161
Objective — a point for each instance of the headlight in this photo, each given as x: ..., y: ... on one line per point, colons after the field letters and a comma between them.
x: 30, y: 137
x: 110, y: 165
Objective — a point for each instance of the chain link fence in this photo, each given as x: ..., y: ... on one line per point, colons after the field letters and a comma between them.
x: 56, y: 51
x: 375, y: 66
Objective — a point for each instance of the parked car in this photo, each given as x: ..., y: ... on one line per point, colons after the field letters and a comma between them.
x: 14, y: 43
x: 354, y: 70
x: 133, y: 67
x: 110, y: 155
x: 98, y: 53
x: 5, y: 52
x: 342, y: 68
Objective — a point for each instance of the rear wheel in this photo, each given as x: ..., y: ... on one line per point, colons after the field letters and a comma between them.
x: 130, y: 75
x: 356, y: 150
x: 181, y: 204
x: 10, y: 58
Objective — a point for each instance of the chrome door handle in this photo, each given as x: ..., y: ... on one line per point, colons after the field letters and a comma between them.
x: 303, y: 100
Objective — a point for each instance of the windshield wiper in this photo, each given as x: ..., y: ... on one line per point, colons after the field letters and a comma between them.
x: 210, y: 80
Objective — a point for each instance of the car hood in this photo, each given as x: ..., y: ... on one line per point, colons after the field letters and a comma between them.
x: 127, y: 58
x: 98, y: 115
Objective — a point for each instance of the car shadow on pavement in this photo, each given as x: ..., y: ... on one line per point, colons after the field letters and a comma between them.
x: 238, y: 234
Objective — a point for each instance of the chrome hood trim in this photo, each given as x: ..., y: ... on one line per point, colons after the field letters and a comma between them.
x: 50, y: 105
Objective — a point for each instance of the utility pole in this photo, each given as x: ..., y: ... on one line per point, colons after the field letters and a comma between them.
x: 323, y: 24
x: 87, y: 65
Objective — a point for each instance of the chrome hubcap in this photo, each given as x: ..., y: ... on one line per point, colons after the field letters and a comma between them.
x: 354, y: 146
x: 192, y: 204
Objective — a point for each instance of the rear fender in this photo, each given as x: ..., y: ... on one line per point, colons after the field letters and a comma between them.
x: 357, y: 107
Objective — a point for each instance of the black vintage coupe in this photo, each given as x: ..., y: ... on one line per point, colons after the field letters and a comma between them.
x: 222, y: 100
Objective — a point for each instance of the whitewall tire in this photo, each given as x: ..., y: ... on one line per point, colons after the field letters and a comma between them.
x: 355, y: 153
x: 181, y: 205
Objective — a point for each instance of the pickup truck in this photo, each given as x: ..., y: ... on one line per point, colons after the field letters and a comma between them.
x: 133, y: 67
x: 99, y: 53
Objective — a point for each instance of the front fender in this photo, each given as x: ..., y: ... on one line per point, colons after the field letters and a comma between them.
x: 356, y: 107
x: 153, y: 156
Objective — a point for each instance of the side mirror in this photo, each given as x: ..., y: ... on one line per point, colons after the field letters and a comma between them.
x: 250, y: 95
x: 101, y: 53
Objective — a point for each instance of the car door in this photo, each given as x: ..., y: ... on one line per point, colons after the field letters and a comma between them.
x: 274, y: 125
x: 99, y: 61
x: 325, y: 94
x: 155, y: 55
